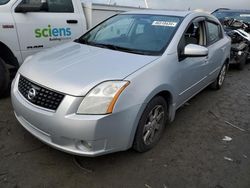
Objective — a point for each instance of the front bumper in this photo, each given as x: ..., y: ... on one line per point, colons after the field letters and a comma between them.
x: 85, y: 135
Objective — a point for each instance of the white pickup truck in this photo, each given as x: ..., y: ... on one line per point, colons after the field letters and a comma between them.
x: 29, y: 26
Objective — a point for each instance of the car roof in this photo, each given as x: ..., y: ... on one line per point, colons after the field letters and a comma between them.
x: 180, y: 13
x: 232, y: 10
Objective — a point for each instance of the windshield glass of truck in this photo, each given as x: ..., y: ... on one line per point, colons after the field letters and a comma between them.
x: 241, y: 16
x: 2, y: 2
x: 140, y: 34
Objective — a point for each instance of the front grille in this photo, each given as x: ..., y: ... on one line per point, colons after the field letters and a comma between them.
x: 38, y: 95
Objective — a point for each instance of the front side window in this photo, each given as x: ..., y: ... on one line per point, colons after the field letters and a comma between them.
x: 143, y: 34
x: 53, y: 5
x: 31, y: 2
x: 213, y: 32
x: 195, y: 34
x: 60, y: 6
x: 2, y: 2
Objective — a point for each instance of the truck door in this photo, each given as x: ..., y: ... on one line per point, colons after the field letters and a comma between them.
x: 60, y: 22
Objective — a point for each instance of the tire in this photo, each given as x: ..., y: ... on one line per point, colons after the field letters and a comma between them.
x: 4, y: 79
x: 241, y: 64
x: 151, y: 125
x: 248, y: 59
x: 248, y: 56
x: 243, y: 60
x: 217, y: 84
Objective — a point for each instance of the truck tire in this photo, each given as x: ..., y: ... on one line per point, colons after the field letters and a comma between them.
x: 4, y: 79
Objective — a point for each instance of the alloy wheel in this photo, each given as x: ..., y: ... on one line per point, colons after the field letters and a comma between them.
x: 155, y: 121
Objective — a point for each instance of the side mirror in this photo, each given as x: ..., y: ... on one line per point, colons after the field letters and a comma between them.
x: 24, y: 8
x: 193, y: 50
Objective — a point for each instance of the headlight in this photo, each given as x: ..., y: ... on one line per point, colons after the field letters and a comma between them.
x: 102, y: 98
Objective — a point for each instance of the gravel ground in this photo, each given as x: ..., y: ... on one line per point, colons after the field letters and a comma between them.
x: 190, y: 154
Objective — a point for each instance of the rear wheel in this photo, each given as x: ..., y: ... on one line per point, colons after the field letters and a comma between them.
x: 217, y: 84
x: 4, y: 79
x: 151, y: 125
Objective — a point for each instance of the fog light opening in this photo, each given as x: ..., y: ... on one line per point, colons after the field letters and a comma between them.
x: 85, y: 145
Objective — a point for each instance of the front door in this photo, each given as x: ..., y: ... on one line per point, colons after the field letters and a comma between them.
x: 192, y: 77
x: 62, y: 22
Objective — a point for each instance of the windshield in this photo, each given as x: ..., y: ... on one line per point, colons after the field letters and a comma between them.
x: 2, y: 2
x: 241, y: 16
x: 141, y: 34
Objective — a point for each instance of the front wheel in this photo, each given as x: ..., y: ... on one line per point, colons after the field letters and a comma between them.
x: 151, y: 125
x: 217, y: 84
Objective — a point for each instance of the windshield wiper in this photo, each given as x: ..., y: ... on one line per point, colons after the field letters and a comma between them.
x: 108, y: 46
x: 85, y: 41
x: 114, y: 47
x: 82, y: 41
x: 123, y: 49
x: 135, y: 51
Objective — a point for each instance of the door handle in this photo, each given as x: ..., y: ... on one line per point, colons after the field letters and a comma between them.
x: 72, y: 21
x: 206, y: 59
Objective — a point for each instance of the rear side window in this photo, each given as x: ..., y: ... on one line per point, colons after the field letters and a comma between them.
x: 213, y: 33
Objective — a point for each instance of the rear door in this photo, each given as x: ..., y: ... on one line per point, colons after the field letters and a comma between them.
x: 62, y: 22
x: 216, y: 47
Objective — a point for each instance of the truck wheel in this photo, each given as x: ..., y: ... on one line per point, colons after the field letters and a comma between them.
x: 151, y: 125
x: 217, y: 84
x: 4, y: 79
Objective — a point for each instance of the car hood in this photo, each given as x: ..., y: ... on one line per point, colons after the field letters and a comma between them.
x: 75, y: 68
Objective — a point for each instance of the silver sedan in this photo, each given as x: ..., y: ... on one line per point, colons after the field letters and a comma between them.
x: 118, y: 85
